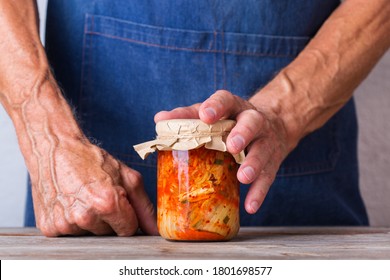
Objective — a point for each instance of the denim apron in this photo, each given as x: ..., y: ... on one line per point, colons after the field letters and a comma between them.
x: 119, y: 62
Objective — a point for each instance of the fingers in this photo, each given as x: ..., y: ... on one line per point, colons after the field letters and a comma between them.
x: 190, y: 112
x: 57, y: 225
x: 87, y: 221
x: 253, y: 132
x: 123, y: 220
x: 250, y: 124
x: 259, y: 189
x: 102, y: 208
x: 76, y: 221
x: 90, y: 195
x: 261, y: 133
x: 222, y: 105
x: 143, y: 207
x: 257, y: 158
x: 99, y: 209
x: 265, y: 152
x: 259, y: 168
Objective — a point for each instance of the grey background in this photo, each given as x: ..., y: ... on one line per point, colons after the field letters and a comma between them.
x: 373, y: 103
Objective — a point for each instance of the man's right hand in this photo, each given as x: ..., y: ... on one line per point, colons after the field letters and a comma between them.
x: 79, y: 188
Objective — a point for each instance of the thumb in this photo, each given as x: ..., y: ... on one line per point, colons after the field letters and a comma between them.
x: 139, y: 200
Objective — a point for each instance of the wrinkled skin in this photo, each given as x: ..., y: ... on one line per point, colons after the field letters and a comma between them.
x: 78, y: 188
x: 82, y: 189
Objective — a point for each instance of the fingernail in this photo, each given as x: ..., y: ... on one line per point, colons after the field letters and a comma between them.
x: 210, y: 113
x: 238, y: 142
x: 249, y: 173
x: 255, y: 206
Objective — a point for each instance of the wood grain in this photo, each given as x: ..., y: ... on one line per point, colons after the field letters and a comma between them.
x: 251, y: 243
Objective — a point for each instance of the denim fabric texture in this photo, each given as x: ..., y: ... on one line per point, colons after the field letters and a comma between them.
x: 120, y: 62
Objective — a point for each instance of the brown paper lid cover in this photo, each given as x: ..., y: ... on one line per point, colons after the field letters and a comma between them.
x: 188, y: 134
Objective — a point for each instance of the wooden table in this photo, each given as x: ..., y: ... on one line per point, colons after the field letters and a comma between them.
x: 251, y: 243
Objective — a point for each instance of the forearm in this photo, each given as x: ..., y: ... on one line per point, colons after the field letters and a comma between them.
x: 323, y: 77
x: 28, y: 90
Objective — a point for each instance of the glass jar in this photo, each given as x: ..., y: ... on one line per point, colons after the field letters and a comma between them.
x: 197, y: 195
x: 197, y: 186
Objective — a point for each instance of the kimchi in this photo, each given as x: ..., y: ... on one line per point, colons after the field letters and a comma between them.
x: 197, y: 195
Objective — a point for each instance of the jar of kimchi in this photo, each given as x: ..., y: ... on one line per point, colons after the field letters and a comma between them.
x: 197, y: 186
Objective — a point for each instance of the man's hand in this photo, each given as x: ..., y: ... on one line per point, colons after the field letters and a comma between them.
x: 77, y: 187
x: 80, y: 189
x: 262, y: 133
x: 302, y: 97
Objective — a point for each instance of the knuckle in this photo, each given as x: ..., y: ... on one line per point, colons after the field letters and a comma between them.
x: 135, y: 178
x: 255, y: 117
x: 256, y: 155
x: 82, y: 218
x: 223, y: 93
x: 107, y: 201
x: 248, y: 129
x: 254, y: 114
x: 121, y: 192
x: 222, y: 97
x: 261, y: 192
x: 47, y: 229
x: 250, y: 122
x: 267, y: 177
x: 130, y: 231
x: 45, y: 226
x: 178, y: 109
x: 62, y: 226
